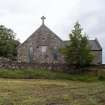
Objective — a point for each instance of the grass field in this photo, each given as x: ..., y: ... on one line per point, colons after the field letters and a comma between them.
x: 51, y: 92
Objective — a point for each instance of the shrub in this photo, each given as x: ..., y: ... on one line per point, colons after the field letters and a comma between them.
x: 101, y: 77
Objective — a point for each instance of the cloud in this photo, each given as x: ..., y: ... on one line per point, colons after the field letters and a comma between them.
x: 23, y: 16
x: 92, y: 18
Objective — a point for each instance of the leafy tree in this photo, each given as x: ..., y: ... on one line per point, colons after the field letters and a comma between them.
x: 78, y: 51
x: 8, y: 43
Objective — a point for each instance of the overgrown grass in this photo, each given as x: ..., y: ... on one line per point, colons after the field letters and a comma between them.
x: 51, y: 92
x: 46, y: 74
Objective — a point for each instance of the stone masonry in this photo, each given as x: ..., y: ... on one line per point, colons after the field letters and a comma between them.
x: 43, y: 47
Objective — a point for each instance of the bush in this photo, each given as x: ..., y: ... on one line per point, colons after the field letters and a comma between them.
x: 101, y: 77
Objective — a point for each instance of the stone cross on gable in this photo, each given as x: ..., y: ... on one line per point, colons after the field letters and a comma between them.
x: 43, y: 18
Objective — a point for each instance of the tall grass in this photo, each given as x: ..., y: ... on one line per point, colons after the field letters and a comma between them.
x: 44, y: 74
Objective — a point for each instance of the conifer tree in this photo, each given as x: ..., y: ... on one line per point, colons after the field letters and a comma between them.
x: 78, y: 50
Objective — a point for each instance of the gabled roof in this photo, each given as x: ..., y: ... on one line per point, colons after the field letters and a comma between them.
x: 42, y: 30
x: 94, y: 45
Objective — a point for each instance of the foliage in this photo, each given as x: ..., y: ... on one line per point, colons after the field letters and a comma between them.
x: 78, y: 51
x: 101, y: 78
x: 8, y: 43
x: 45, y: 74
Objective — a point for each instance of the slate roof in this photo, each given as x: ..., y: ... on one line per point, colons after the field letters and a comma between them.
x: 94, y: 45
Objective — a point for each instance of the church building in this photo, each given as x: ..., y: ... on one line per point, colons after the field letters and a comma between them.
x: 43, y: 47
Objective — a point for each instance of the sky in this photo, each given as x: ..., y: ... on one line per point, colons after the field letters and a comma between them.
x: 23, y: 17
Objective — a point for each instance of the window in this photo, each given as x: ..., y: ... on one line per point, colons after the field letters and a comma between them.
x: 55, y: 53
x: 31, y: 51
x: 43, y: 49
x: 30, y: 54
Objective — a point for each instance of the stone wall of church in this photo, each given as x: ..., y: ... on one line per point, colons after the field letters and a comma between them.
x: 97, y: 57
x: 48, y: 56
x: 43, y: 47
x: 22, y: 54
x: 38, y: 42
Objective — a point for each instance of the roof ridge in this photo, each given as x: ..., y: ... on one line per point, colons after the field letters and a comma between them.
x: 43, y: 25
x: 53, y: 32
x: 95, y: 45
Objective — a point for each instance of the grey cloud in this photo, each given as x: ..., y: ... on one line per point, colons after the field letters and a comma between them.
x: 23, y: 16
x: 92, y: 18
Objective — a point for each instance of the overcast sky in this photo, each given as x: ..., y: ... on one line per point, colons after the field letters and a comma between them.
x: 23, y: 16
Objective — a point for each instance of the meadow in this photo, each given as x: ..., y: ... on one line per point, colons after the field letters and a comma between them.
x: 44, y: 87
x: 51, y: 92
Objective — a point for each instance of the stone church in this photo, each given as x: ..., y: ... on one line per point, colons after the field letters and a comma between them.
x: 43, y: 47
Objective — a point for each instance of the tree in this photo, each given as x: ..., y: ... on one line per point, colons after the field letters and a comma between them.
x: 8, y: 43
x: 78, y: 51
